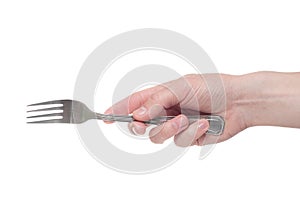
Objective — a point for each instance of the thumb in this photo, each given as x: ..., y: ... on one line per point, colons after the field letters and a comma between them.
x: 156, y: 105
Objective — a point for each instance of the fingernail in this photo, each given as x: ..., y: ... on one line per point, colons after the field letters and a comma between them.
x: 141, y: 111
x: 137, y: 130
x: 202, y: 125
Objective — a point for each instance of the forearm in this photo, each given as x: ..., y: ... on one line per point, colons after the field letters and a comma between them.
x: 268, y: 98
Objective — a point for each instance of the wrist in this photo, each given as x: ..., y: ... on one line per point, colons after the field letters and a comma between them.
x: 264, y: 98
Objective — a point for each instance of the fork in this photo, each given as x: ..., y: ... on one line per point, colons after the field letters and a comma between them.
x: 76, y: 112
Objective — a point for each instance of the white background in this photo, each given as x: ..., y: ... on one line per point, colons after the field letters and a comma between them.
x: 42, y: 47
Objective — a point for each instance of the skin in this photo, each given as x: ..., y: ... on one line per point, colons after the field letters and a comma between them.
x: 256, y: 99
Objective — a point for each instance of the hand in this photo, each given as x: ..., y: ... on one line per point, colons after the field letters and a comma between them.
x: 254, y: 99
x: 188, y: 95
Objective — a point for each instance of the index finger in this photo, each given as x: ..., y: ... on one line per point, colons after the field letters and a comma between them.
x: 132, y: 102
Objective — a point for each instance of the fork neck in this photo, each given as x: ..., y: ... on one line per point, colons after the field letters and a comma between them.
x: 100, y: 116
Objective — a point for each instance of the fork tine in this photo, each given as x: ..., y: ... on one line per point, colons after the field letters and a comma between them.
x: 47, y: 121
x: 46, y: 109
x: 48, y: 102
x: 46, y: 115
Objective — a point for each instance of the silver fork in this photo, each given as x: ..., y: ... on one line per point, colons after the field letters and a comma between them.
x: 75, y: 112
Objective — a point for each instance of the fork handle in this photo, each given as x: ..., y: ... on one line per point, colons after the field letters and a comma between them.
x: 216, y: 122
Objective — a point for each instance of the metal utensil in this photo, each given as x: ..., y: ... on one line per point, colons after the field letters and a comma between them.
x: 76, y: 112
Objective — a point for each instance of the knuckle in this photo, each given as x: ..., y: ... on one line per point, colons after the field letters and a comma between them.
x: 187, y: 76
x: 168, y: 130
x: 179, y: 143
x: 154, y: 135
x: 155, y: 140
x: 155, y: 97
x: 176, y: 141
